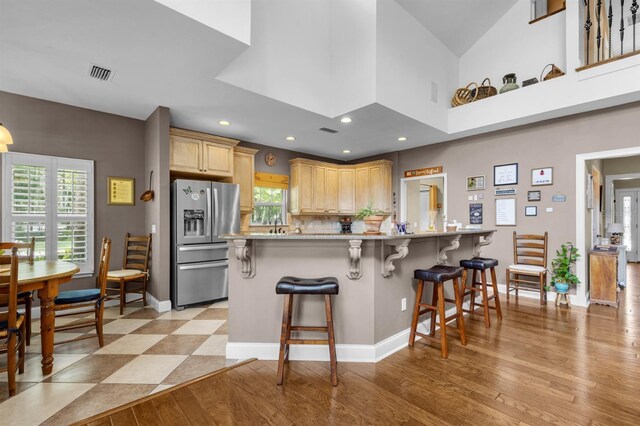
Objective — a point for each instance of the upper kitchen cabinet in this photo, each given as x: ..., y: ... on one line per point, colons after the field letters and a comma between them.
x: 243, y: 175
x: 301, y: 196
x: 346, y: 191
x: 201, y: 153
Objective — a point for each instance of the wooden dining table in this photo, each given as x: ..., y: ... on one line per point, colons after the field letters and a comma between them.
x: 45, y: 277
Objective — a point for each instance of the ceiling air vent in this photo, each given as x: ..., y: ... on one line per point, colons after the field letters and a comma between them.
x: 328, y: 130
x: 100, y: 73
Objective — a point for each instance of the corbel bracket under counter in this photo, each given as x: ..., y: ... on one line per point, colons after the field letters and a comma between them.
x: 454, y: 244
x: 481, y: 242
x: 246, y: 254
x: 402, y: 250
x: 355, y: 257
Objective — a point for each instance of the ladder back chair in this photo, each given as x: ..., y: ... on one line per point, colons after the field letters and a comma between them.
x: 529, y: 270
x: 25, y: 254
x: 12, y: 324
x: 135, y: 270
x: 90, y: 300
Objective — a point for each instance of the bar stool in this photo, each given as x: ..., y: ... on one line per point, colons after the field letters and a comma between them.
x: 480, y: 264
x: 290, y: 286
x: 438, y: 275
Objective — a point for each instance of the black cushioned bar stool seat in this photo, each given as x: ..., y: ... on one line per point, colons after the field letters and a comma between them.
x: 291, y: 286
x: 479, y: 265
x: 438, y: 275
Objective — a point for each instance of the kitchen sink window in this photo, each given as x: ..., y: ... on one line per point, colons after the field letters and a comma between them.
x: 50, y: 199
x: 269, y: 204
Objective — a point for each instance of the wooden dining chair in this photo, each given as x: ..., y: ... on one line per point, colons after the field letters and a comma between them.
x: 89, y: 300
x: 24, y: 298
x: 134, y: 272
x: 529, y: 270
x: 12, y: 324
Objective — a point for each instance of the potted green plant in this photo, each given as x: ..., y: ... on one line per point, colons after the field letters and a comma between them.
x: 372, y: 218
x: 562, y: 275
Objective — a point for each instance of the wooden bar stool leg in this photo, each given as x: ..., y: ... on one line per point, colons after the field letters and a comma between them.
x: 444, y: 351
x: 283, y: 339
x: 287, y: 347
x: 472, y: 297
x: 485, y: 299
x: 463, y: 283
x: 460, y: 315
x: 494, y: 283
x: 332, y: 340
x: 434, y: 303
x: 416, y: 313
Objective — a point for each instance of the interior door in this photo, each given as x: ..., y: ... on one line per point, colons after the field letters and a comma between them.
x: 627, y: 214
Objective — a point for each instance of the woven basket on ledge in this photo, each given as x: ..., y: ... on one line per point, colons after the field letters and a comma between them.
x: 486, y: 90
x: 464, y: 95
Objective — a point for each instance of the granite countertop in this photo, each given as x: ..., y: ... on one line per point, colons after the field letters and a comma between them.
x: 336, y: 236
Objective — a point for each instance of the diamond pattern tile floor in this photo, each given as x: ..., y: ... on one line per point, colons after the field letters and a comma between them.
x: 145, y: 351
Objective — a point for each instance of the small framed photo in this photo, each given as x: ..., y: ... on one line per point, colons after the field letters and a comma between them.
x: 505, y: 174
x: 542, y: 176
x: 531, y: 211
x: 121, y: 191
x: 475, y: 183
x: 534, y: 196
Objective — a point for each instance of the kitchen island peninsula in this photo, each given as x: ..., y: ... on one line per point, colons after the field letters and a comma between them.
x: 372, y: 312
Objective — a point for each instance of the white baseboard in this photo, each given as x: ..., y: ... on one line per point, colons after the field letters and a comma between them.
x: 551, y: 296
x: 159, y: 306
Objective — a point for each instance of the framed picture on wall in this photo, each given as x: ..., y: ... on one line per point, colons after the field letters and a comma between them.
x: 534, y: 196
x: 475, y: 183
x: 531, y: 211
x: 505, y: 212
x: 121, y: 191
x: 542, y: 176
x: 505, y: 174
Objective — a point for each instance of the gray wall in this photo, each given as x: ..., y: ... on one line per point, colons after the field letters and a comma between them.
x: 157, y: 211
x: 282, y: 155
x: 115, y: 143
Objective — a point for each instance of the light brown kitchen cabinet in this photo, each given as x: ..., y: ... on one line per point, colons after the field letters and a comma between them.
x: 324, y: 188
x: 200, y: 153
x: 243, y: 175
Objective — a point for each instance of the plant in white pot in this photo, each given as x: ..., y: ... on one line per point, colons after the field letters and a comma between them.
x: 561, y: 266
x: 372, y: 218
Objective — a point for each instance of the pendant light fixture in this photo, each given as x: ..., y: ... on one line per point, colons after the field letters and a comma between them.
x: 5, y: 138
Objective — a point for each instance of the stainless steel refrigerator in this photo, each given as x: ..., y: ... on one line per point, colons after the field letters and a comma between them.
x: 201, y: 211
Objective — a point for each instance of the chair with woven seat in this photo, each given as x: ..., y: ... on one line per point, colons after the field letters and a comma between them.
x: 135, y: 270
x: 24, y: 298
x: 89, y: 300
x: 529, y: 269
x: 12, y: 324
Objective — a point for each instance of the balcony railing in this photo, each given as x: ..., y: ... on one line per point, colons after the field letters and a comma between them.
x: 609, y: 30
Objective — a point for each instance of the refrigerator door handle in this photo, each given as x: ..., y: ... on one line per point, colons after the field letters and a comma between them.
x: 208, y: 214
x: 200, y: 247
x: 215, y: 211
x: 204, y: 265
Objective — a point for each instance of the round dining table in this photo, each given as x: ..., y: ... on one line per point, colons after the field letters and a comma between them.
x: 45, y: 277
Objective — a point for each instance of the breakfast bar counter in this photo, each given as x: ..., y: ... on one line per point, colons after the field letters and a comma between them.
x: 372, y: 312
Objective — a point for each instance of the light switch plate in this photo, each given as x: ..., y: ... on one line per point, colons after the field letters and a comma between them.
x: 470, y: 197
x: 153, y: 228
x: 549, y: 210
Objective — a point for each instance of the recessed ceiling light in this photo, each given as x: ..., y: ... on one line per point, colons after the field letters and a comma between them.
x: 290, y: 138
x: 345, y: 120
x: 346, y: 151
x: 402, y: 138
x: 224, y: 123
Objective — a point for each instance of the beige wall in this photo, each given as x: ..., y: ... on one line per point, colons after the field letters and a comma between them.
x: 282, y: 158
x: 115, y: 143
x: 553, y: 143
x: 157, y: 212
x: 626, y: 184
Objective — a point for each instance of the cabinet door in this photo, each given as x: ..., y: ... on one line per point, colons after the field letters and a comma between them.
x: 346, y: 191
x: 243, y: 175
x: 217, y: 159
x: 185, y: 154
x: 362, y: 188
x: 331, y: 190
x: 376, y: 186
x: 319, y: 189
x: 602, y: 268
x: 305, y: 188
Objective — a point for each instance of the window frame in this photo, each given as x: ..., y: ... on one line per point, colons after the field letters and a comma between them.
x: 283, y: 205
x: 51, y: 218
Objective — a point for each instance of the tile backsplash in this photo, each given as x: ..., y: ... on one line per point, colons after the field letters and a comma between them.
x: 330, y: 224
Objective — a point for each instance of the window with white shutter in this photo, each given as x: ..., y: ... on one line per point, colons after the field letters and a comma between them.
x: 51, y: 199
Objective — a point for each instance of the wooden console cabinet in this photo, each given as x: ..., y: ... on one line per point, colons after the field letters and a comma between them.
x: 603, y: 277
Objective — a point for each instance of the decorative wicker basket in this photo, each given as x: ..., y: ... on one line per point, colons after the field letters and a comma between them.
x: 485, y: 91
x: 555, y: 72
x: 464, y: 95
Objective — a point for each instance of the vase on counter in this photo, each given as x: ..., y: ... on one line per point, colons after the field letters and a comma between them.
x: 509, y: 82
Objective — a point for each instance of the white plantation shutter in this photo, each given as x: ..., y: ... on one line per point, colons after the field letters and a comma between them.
x: 51, y: 199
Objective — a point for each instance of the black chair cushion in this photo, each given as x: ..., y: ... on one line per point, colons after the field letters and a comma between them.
x: 438, y: 273
x: 479, y: 263
x: 293, y: 285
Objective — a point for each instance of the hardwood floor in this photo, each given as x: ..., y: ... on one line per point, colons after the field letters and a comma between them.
x: 541, y: 365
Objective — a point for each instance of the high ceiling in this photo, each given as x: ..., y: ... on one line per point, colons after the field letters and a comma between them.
x: 162, y: 57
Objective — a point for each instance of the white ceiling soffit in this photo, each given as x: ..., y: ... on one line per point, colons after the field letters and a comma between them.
x: 457, y: 23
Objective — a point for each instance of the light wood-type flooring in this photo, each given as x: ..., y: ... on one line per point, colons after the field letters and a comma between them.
x: 549, y: 365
